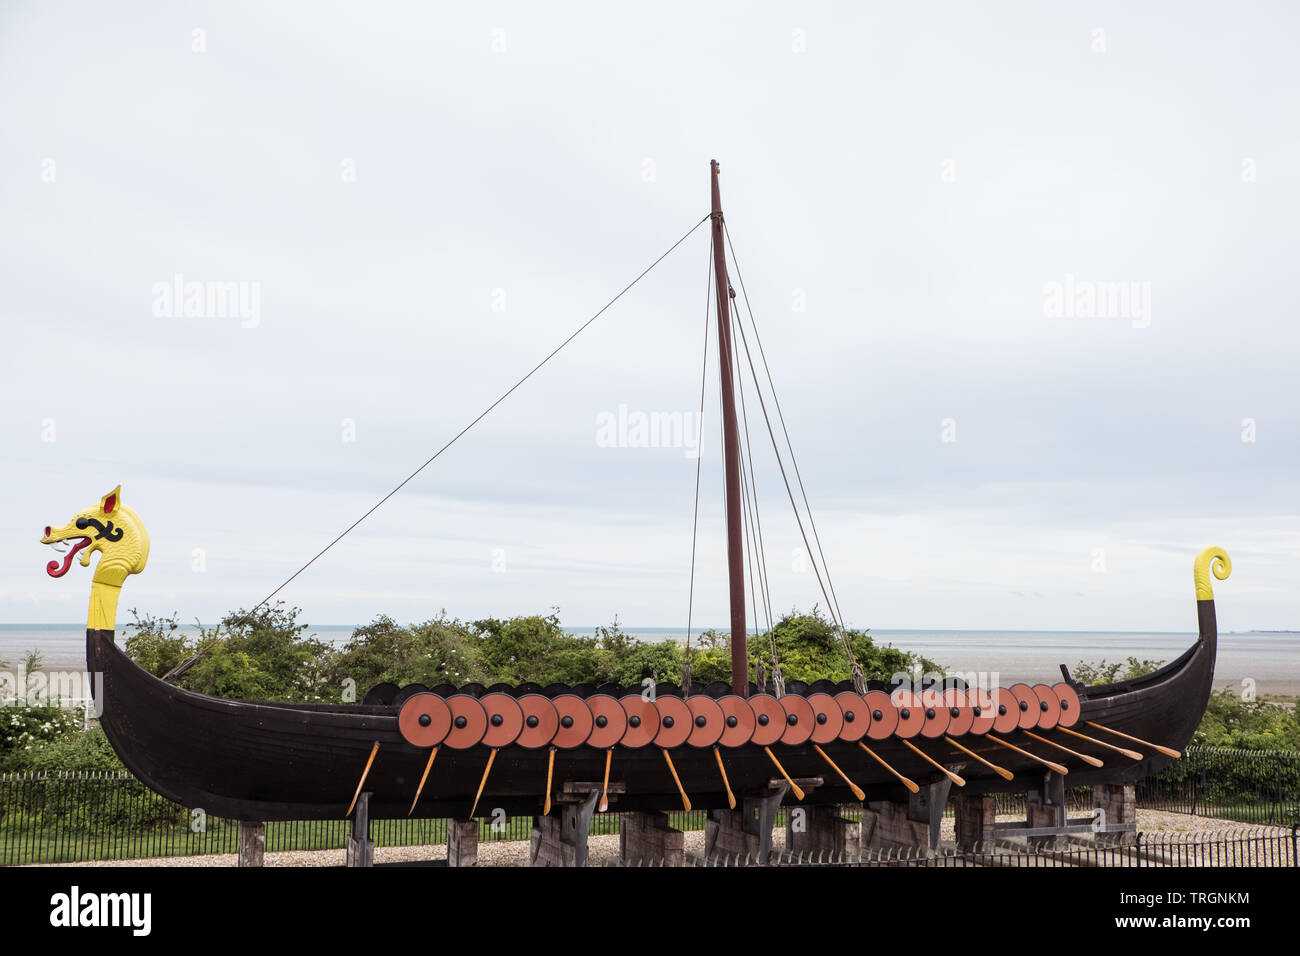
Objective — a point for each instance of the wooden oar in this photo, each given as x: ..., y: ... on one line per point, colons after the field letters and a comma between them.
x: 550, y: 766
x: 486, y: 770
x: 1002, y: 772
x: 427, y: 767
x: 1168, y: 751
x: 604, y: 787
x: 1091, y: 761
x: 362, y: 782
x: 1131, y: 754
x: 1046, y: 763
x: 793, y: 786
x: 926, y: 757
x: 686, y: 803
x: 731, y: 798
x: 910, y: 785
x: 857, y: 791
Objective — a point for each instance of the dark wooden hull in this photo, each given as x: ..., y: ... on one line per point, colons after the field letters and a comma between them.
x: 273, y: 761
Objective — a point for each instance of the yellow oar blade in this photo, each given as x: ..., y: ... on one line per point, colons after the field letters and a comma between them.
x: 934, y: 763
x: 857, y: 791
x: 420, y: 789
x: 726, y: 784
x: 1167, y: 751
x: 486, y: 770
x: 1131, y: 754
x: 686, y: 804
x: 909, y: 784
x: 604, y: 787
x: 1059, y: 768
x: 1090, y: 761
x: 362, y: 782
x: 550, y: 768
x: 793, y: 786
x: 1002, y: 772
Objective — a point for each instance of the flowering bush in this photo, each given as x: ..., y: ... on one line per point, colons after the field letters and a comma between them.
x: 22, y: 728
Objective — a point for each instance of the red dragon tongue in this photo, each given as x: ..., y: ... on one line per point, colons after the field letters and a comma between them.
x: 55, y: 570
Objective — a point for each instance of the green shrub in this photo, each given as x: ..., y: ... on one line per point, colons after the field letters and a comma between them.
x: 24, y: 729
x: 1230, y: 721
x: 87, y: 750
x: 260, y: 655
x: 438, y: 651
x: 1111, y: 673
x: 156, y: 643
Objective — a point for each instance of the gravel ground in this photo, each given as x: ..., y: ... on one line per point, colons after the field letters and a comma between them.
x: 604, y: 849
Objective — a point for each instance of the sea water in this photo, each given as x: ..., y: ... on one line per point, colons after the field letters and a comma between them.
x: 1270, y: 659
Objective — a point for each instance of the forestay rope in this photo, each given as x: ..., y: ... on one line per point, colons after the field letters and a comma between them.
x: 818, y: 562
x: 483, y: 414
x: 699, y: 457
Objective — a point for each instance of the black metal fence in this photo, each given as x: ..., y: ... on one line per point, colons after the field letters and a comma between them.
x: 69, y: 817
x: 1254, y: 847
x: 1251, y: 786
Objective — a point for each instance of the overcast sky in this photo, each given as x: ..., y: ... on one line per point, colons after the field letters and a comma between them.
x: 422, y: 201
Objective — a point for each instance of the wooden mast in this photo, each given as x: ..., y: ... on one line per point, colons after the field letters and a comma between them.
x: 731, y: 453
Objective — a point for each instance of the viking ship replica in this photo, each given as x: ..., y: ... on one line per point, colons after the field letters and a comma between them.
x: 450, y: 751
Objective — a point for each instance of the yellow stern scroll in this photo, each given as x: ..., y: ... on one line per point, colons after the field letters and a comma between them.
x: 118, y: 534
x: 1215, y: 559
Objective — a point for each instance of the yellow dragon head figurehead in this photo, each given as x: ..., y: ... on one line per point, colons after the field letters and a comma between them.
x: 119, y: 535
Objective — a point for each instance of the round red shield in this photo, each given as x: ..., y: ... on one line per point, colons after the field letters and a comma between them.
x: 1027, y: 704
x: 936, y: 715
x: 883, y: 714
x: 769, y: 719
x: 1049, y: 707
x: 541, y: 721
x: 610, y: 721
x: 984, y: 709
x: 424, y: 720
x: 505, y: 719
x: 960, y: 713
x: 642, y: 720
x: 468, y: 722
x: 827, y: 718
x: 1071, y: 710
x: 674, y: 721
x: 737, y: 719
x: 1006, y: 707
x: 576, y: 721
x: 706, y: 720
x: 857, y: 718
x: 911, y: 715
x: 799, y: 719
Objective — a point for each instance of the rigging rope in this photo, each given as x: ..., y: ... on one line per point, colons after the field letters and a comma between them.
x: 699, y: 457
x: 859, y: 680
x: 747, y: 462
x: 484, y: 413
x: 749, y: 551
x: 781, y: 417
x: 752, y: 515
